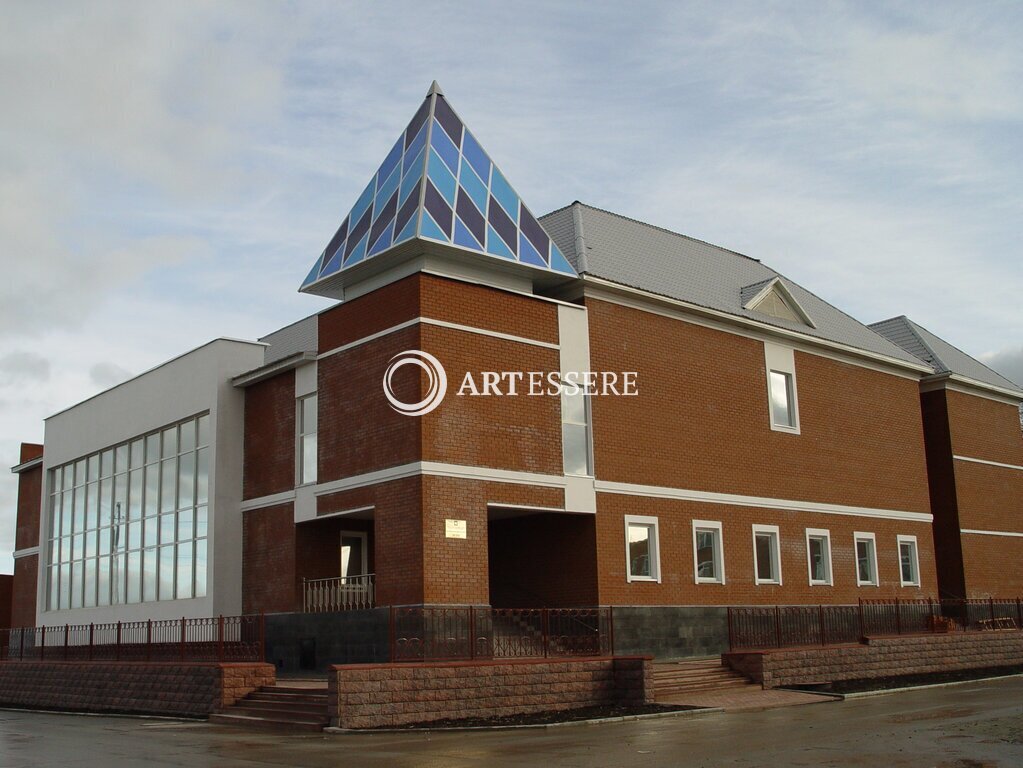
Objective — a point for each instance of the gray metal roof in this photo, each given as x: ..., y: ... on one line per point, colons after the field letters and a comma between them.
x: 301, y: 336
x: 938, y: 353
x: 649, y: 258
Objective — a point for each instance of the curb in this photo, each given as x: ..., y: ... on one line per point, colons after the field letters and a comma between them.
x: 682, y: 713
x: 953, y: 684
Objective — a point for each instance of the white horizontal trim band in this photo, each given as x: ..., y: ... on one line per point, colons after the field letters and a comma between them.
x: 439, y: 324
x: 710, y: 497
x: 1013, y: 534
x: 26, y: 552
x: 340, y: 513
x: 267, y: 501
x: 991, y: 463
x: 30, y: 464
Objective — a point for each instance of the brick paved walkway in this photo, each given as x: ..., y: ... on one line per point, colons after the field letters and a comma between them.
x: 747, y: 699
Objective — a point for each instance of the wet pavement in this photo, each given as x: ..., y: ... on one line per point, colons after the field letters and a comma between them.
x: 967, y: 726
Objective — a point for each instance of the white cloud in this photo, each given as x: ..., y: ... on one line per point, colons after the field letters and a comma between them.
x: 23, y: 368
x: 1008, y: 362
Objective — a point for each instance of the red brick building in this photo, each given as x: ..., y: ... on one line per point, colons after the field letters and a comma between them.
x: 740, y: 441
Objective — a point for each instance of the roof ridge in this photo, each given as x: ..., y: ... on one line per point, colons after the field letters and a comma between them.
x: 916, y: 325
x: 667, y: 231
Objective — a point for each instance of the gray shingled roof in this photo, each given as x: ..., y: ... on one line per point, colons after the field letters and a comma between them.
x: 643, y: 256
x: 300, y: 336
x: 938, y: 353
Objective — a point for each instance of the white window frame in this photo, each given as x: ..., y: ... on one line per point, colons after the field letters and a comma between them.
x: 906, y: 539
x: 859, y: 536
x: 719, y: 551
x: 781, y: 359
x: 819, y: 533
x: 299, y: 442
x: 775, y: 532
x: 655, y: 545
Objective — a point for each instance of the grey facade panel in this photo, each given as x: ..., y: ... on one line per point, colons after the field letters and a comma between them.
x: 302, y: 336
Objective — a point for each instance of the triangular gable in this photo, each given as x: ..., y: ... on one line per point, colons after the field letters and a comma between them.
x: 772, y: 297
x: 438, y: 184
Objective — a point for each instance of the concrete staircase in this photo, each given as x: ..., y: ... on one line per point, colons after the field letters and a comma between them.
x: 291, y: 707
x: 676, y: 679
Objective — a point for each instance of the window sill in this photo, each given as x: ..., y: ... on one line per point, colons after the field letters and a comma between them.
x: 710, y: 581
x: 867, y: 584
x: 782, y: 428
x: 821, y: 584
x: 642, y: 579
x: 767, y: 583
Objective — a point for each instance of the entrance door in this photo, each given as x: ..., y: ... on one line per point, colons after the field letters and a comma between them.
x: 353, y: 555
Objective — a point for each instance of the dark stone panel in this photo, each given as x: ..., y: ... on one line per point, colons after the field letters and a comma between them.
x: 668, y: 632
x: 297, y: 642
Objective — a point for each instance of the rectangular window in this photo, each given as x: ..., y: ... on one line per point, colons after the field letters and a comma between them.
x: 866, y: 560
x: 818, y: 553
x: 782, y: 400
x: 909, y: 561
x: 767, y: 554
x: 782, y: 413
x: 575, y: 434
x: 307, y: 407
x: 116, y: 514
x: 642, y: 553
x: 708, y: 552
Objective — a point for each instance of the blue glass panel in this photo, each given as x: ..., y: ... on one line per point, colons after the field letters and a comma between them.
x: 418, y: 119
x: 505, y: 195
x: 447, y: 151
x: 471, y: 217
x: 528, y: 254
x: 464, y: 237
x: 408, y: 232
x: 559, y: 262
x: 412, y: 179
x: 383, y: 242
x: 385, y: 192
x: 390, y: 162
x: 531, y: 229
x: 406, y: 212
x: 438, y: 209
x: 363, y: 202
x: 313, y: 274
x: 476, y: 156
x: 358, y: 252
x: 496, y: 246
x: 413, y: 149
x: 335, y: 242
x: 387, y: 213
x: 441, y: 178
x: 471, y: 183
x: 431, y: 230
x: 504, y: 226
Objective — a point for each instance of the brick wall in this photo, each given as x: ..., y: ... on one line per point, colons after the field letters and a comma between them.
x: 993, y: 565
x: 26, y: 569
x: 23, y: 598
x: 269, y: 580
x: 678, y: 585
x: 191, y: 690
x: 370, y: 696
x: 948, y: 549
x: 6, y: 586
x: 881, y: 657
x: 984, y: 429
x: 270, y: 436
x: 30, y: 489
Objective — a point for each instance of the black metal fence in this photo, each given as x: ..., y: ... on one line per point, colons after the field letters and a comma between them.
x: 426, y: 633
x: 786, y: 626
x: 222, y: 638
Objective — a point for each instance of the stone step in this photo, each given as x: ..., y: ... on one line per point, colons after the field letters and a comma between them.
x: 286, y: 698
x: 247, y: 706
x: 672, y: 690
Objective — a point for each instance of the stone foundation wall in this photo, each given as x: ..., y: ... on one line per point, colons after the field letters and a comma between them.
x: 371, y: 696
x: 185, y: 689
x: 880, y: 657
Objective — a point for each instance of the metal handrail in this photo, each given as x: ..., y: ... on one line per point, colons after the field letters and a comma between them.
x: 338, y: 593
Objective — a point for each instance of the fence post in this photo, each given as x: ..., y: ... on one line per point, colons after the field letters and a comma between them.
x: 472, y: 633
x: 731, y: 631
x: 863, y: 631
x: 777, y: 626
x: 181, y: 646
x: 67, y: 631
x: 898, y: 618
x: 149, y: 639
x: 117, y: 653
x: 391, y: 632
x: 1019, y: 614
x: 262, y: 636
x: 820, y: 617
x: 220, y: 638
x: 546, y: 624
x: 991, y: 608
x: 42, y: 648
x: 611, y: 627
x: 92, y: 634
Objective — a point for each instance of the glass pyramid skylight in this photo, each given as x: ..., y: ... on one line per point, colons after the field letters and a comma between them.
x: 438, y: 184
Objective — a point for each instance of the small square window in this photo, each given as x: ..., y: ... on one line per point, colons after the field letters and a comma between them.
x: 766, y: 554
x: 818, y: 553
x: 708, y: 553
x: 306, y: 423
x: 642, y: 549
x: 866, y: 560
x: 909, y: 561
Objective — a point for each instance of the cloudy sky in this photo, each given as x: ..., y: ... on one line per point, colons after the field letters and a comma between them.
x: 168, y: 171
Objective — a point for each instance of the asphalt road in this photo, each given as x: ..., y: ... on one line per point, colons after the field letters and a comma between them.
x: 967, y: 726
